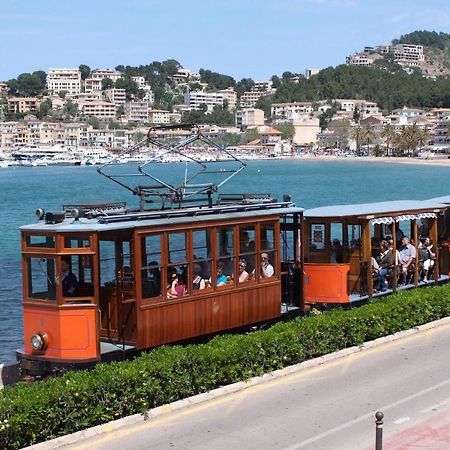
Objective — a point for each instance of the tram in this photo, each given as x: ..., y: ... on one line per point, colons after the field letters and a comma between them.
x: 136, y: 272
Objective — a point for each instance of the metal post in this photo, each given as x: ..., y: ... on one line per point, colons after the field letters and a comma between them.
x: 379, y: 430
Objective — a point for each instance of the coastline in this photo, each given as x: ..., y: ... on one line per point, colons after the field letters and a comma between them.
x: 382, y: 159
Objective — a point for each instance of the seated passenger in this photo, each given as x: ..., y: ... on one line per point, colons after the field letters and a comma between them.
x: 266, y: 268
x: 176, y: 287
x: 198, y: 282
x: 428, y: 257
x: 407, y: 258
x: 69, y: 280
x: 385, y: 263
x: 153, y: 285
x: 336, y: 251
x: 243, y: 274
x: 221, y: 279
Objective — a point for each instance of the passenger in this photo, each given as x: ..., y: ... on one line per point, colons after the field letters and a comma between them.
x: 407, y: 258
x: 399, y: 235
x: 385, y: 264
x: 176, y: 287
x: 154, y: 289
x: 336, y: 251
x: 243, y: 242
x: 198, y: 282
x: 221, y: 279
x: 227, y: 261
x: 266, y: 268
x: 430, y: 258
x: 243, y: 274
x: 69, y: 280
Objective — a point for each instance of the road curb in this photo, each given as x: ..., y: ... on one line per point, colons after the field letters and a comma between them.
x: 229, y: 389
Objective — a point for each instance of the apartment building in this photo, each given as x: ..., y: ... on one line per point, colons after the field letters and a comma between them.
x: 441, y: 134
x: 306, y: 130
x: 360, y: 59
x: 292, y: 110
x: 230, y: 96
x: 99, y: 108
x: 364, y: 107
x: 136, y: 111
x: 184, y: 76
x: 159, y: 116
x: 94, y: 82
x: 408, y: 52
x: 116, y: 96
x: 22, y: 105
x: 62, y: 79
x: 250, y: 117
x: 195, y: 99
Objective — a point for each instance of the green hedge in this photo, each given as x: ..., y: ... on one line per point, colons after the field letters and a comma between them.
x: 41, y: 411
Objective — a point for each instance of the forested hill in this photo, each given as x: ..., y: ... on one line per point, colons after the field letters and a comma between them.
x: 388, y: 90
x: 426, y: 38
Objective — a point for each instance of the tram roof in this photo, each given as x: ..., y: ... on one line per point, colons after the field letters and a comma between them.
x: 379, y: 209
x: 164, y: 217
x: 445, y: 199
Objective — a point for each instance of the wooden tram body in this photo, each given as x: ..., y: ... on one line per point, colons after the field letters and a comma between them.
x: 123, y: 263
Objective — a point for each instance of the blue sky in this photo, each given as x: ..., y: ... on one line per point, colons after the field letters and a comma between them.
x: 241, y: 38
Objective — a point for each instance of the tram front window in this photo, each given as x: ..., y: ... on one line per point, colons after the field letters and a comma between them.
x: 77, y: 276
x: 41, y: 278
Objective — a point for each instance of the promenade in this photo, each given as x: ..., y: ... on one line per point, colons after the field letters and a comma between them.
x: 327, y: 406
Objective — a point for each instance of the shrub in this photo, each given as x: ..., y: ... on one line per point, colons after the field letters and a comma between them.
x: 58, y: 406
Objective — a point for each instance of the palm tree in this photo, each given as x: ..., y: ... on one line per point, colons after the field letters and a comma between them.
x: 388, y: 134
x: 357, y: 134
x: 422, y: 137
x: 368, y: 134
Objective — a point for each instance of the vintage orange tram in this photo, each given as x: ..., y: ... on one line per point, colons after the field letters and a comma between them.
x: 124, y: 264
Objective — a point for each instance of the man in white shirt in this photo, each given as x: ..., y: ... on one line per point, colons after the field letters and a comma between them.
x: 266, y: 268
x: 407, y: 257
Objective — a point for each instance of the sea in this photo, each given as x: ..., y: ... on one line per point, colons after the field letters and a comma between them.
x: 309, y: 182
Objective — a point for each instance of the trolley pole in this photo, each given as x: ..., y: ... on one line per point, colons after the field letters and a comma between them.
x: 379, y: 430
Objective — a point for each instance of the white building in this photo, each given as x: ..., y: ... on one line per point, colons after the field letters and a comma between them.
x: 230, y: 96
x: 195, y: 99
x: 67, y: 80
x: 116, y: 96
x: 408, y: 52
x: 136, y: 111
x: 291, y: 110
x: 251, y: 117
x: 159, y: 116
x: 310, y: 72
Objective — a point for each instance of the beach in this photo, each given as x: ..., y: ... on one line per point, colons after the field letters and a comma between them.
x: 444, y: 162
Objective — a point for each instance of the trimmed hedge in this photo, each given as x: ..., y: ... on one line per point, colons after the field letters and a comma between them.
x: 45, y: 410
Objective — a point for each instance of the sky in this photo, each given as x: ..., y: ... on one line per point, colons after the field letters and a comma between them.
x: 241, y: 38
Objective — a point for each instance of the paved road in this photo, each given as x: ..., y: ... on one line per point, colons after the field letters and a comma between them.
x: 327, y: 407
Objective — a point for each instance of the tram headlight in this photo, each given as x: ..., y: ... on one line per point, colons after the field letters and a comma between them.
x: 39, y: 341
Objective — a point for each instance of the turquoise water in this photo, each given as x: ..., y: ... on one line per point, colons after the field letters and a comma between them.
x: 310, y: 183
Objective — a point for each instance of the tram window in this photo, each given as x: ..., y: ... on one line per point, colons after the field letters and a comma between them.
x: 73, y: 242
x: 247, y: 247
x: 317, y: 240
x: 40, y: 241
x: 225, y: 262
x: 354, y: 236
x: 107, y: 263
x: 41, y: 278
x: 178, y: 279
x: 267, y: 236
x: 151, y: 266
x: 201, y: 258
x: 81, y: 267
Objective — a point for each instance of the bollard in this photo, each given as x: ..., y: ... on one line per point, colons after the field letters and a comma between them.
x: 379, y: 430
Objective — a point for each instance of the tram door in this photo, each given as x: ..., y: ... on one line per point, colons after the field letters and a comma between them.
x: 290, y: 256
x: 117, y: 289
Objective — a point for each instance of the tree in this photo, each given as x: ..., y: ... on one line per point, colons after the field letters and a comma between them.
x: 287, y: 129
x: 107, y: 83
x: 340, y: 130
x: 276, y: 82
x: 243, y: 86
x: 94, y: 122
x: 357, y: 135
x: 368, y: 135
x: 28, y: 84
x: 251, y: 134
x: 44, y: 109
x: 70, y: 109
x: 130, y: 86
x: 85, y: 71
x: 266, y: 105
x: 388, y: 134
